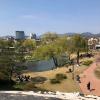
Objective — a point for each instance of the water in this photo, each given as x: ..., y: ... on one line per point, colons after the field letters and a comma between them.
x: 41, y: 65
x: 45, y: 65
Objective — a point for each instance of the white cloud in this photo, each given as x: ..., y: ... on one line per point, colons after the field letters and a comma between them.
x: 29, y: 17
x: 39, y: 16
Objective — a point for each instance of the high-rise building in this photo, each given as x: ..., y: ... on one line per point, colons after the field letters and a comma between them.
x: 20, y: 35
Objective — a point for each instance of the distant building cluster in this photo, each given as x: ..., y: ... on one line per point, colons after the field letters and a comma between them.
x: 94, y: 43
x: 20, y: 35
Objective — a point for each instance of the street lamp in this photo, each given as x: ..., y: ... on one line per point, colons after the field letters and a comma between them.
x: 72, y: 62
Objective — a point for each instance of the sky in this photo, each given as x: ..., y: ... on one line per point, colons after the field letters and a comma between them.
x: 40, y: 16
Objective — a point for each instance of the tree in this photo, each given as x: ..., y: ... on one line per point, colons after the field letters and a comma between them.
x: 29, y: 44
x: 49, y: 37
x: 6, y: 59
x: 53, y: 49
x: 79, y: 44
x: 70, y: 48
x: 47, y: 51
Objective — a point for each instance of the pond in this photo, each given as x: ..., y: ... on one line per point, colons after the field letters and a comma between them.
x: 41, y: 65
x: 45, y: 65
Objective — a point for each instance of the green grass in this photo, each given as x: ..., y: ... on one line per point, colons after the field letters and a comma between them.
x: 87, y: 62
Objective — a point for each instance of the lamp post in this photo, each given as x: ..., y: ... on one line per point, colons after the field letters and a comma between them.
x: 72, y: 69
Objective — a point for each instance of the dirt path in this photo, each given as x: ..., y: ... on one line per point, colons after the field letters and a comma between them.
x: 88, y: 76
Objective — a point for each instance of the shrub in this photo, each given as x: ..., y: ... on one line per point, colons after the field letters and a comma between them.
x: 87, y: 62
x: 60, y: 76
x: 19, y: 86
x: 54, y: 81
x: 38, y: 79
x: 29, y: 86
x: 3, y: 76
x: 20, y: 68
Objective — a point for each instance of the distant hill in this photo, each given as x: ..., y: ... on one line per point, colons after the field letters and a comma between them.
x: 70, y: 34
x: 98, y: 35
x: 87, y: 34
x: 84, y: 34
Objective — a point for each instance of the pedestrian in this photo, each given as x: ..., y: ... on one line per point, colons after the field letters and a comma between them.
x: 89, y: 86
x: 78, y: 78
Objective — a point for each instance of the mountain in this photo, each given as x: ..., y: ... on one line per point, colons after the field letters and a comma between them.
x: 84, y: 34
x: 70, y: 34
x: 98, y: 35
x: 87, y: 34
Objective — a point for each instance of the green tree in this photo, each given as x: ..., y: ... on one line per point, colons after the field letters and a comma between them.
x: 79, y: 44
x: 47, y: 52
x: 49, y: 37
x: 29, y: 44
x: 7, y: 59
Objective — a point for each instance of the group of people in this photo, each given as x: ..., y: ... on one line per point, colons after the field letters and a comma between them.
x: 88, y: 84
x: 89, y: 55
x: 23, y: 78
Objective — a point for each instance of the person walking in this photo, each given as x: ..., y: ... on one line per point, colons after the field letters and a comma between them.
x: 89, y: 86
x: 78, y: 78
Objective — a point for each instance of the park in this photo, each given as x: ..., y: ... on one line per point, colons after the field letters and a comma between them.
x: 54, y: 63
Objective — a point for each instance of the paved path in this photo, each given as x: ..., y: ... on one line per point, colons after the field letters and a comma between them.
x: 88, y: 76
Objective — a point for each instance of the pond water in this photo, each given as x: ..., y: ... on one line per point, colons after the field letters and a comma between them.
x: 41, y: 65
x: 45, y: 65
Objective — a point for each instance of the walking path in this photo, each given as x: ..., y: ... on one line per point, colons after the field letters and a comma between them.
x: 88, y: 76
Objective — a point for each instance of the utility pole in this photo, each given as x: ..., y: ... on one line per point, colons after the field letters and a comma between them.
x: 73, y: 69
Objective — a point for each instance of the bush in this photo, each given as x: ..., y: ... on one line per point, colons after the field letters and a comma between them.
x: 29, y: 86
x: 20, y: 68
x: 87, y: 62
x: 61, y: 76
x: 54, y: 81
x: 19, y: 86
x: 3, y: 76
x: 58, y: 78
x: 39, y: 79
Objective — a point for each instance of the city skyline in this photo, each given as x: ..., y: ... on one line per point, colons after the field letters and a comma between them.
x: 40, y: 16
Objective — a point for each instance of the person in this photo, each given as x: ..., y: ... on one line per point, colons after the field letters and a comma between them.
x: 78, y: 78
x: 89, y: 86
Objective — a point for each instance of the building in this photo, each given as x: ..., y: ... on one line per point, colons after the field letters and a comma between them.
x: 97, y: 47
x: 92, y: 42
x: 20, y: 35
x: 33, y: 36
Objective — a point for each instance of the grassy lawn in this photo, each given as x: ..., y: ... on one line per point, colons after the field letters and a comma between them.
x: 67, y: 85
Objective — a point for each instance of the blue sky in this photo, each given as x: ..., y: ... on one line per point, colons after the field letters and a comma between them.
x: 40, y: 16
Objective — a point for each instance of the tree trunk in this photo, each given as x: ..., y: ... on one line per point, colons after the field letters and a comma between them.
x: 69, y: 57
x: 78, y: 57
x: 11, y: 73
x: 55, y: 61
